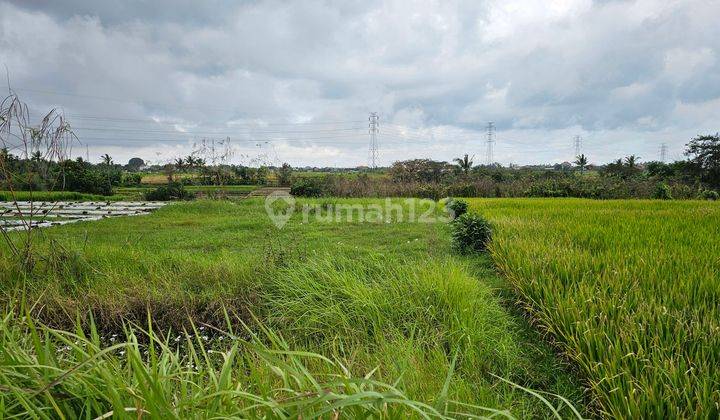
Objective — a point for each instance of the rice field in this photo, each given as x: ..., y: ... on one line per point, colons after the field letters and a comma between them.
x: 610, y: 308
x: 629, y: 289
x: 22, y: 215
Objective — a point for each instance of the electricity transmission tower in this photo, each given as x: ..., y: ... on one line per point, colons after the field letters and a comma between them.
x: 663, y: 152
x: 373, y: 129
x: 490, y: 141
x: 577, y: 141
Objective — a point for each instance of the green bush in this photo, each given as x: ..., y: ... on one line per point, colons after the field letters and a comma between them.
x: 709, y: 195
x: 308, y: 187
x: 131, y: 180
x: 172, y: 191
x: 470, y: 233
x: 457, y: 207
x: 662, y: 192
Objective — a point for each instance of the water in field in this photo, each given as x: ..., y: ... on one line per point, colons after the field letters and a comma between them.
x: 20, y: 215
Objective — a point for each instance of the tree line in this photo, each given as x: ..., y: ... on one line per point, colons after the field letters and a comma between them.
x: 698, y: 176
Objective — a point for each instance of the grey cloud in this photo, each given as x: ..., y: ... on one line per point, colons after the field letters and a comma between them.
x: 188, y: 12
x: 604, y: 68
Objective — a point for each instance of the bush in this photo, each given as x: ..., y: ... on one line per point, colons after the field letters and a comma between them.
x: 172, y: 191
x: 309, y: 187
x: 457, y: 207
x: 662, y: 192
x: 131, y: 180
x: 709, y: 195
x: 470, y: 233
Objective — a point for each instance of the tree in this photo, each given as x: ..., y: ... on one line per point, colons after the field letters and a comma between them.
x: 465, y: 163
x: 419, y: 170
x: 284, y: 174
x: 193, y: 162
x: 180, y: 164
x: 581, y: 161
x: 658, y: 169
x: 632, y: 161
x: 106, y: 159
x: 169, y: 171
x: 705, y: 153
x: 135, y: 164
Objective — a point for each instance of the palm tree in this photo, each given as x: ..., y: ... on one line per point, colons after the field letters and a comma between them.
x: 465, y: 163
x: 180, y: 164
x: 106, y: 159
x: 631, y: 161
x: 581, y: 161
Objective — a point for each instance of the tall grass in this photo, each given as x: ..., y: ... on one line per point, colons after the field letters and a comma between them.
x: 429, y: 313
x: 47, y: 373
x: 385, y: 299
x: 629, y: 288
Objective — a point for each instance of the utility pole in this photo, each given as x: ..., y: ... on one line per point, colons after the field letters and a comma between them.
x: 490, y: 141
x: 373, y: 129
x: 577, y: 141
x: 663, y: 152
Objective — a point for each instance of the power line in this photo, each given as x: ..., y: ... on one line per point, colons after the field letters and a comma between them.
x: 128, y: 101
x: 177, y: 140
x: 260, y: 124
x: 577, y: 142
x: 373, y: 131
x: 490, y: 142
x: 211, y: 133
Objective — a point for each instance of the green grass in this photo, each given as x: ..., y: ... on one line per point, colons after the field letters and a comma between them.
x: 631, y: 291
x: 627, y: 289
x: 47, y: 373
x: 387, y: 302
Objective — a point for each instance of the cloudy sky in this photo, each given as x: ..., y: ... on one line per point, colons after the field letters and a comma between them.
x: 294, y: 81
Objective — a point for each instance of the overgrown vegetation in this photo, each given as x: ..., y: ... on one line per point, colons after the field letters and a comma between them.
x: 253, y: 373
x: 404, y: 311
x: 171, y: 191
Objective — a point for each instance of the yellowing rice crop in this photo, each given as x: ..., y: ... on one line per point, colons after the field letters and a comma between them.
x: 631, y: 290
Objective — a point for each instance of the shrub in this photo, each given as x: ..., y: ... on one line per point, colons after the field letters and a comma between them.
x: 662, y: 192
x: 458, y: 207
x: 470, y: 233
x: 430, y: 191
x: 131, y: 180
x: 171, y: 191
x: 309, y: 187
x: 709, y: 195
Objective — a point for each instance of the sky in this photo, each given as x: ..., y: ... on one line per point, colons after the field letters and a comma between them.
x: 295, y: 81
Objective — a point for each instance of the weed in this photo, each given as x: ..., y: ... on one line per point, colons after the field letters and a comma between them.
x: 470, y: 233
x: 457, y: 206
